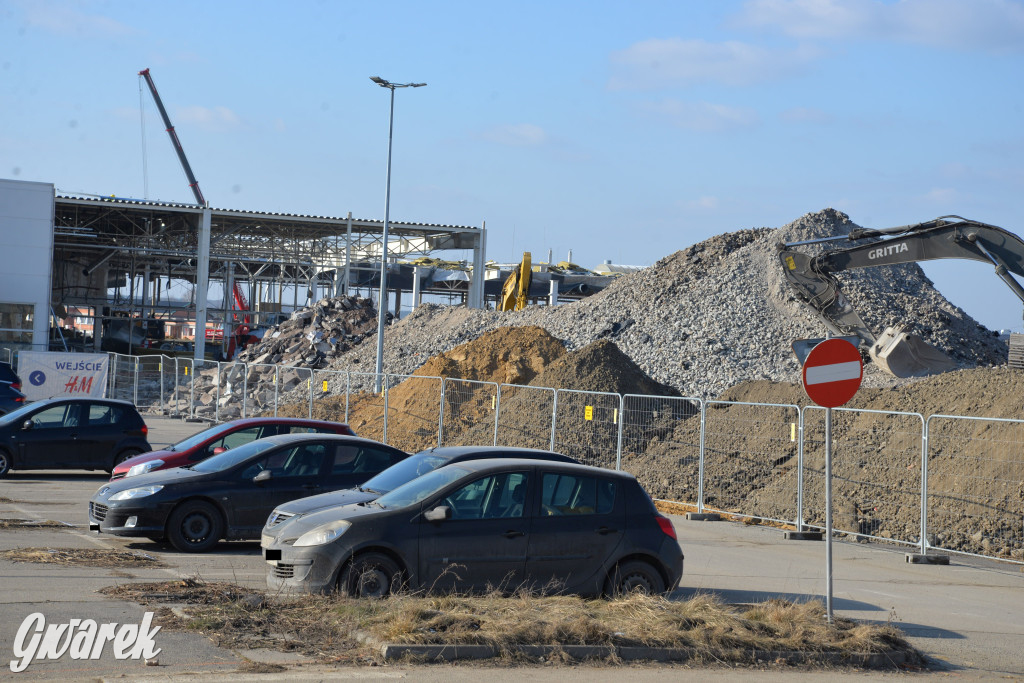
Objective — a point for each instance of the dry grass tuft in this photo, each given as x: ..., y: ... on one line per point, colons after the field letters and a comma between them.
x: 81, y: 557
x: 14, y: 524
x: 327, y: 626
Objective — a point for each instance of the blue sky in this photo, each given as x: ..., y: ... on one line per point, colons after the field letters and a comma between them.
x: 617, y: 130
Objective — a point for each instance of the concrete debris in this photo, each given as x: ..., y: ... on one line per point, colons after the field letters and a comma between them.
x: 709, y: 316
x: 313, y: 337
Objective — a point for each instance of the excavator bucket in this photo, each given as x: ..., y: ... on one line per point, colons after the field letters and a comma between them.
x: 907, y: 355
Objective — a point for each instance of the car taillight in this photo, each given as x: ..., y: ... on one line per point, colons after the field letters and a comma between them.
x: 16, y: 385
x: 145, y: 430
x: 666, y: 525
x: 19, y: 399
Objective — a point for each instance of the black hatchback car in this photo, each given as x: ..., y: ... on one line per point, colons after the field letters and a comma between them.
x: 414, y: 466
x: 71, y: 433
x: 481, y: 525
x: 229, y: 495
x: 11, y: 397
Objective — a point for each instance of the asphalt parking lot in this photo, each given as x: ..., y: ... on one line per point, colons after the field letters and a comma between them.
x: 968, y: 616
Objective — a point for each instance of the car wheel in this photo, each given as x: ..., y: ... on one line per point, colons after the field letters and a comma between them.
x: 195, y: 527
x: 125, y: 455
x: 5, y: 463
x: 370, y: 576
x: 634, y: 576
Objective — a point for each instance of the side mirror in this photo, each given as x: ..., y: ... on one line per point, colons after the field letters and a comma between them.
x: 262, y: 477
x: 438, y: 514
x: 218, y: 450
x: 26, y: 425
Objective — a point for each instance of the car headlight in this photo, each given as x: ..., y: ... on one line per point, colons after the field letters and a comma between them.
x: 140, y: 492
x: 144, y: 467
x: 323, y: 534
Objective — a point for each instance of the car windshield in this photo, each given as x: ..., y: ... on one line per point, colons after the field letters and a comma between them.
x: 404, y: 471
x: 228, y: 459
x: 16, y: 415
x: 196, y: 439
x: 421, y: 487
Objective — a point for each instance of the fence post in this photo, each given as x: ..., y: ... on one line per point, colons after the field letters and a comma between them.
x: 135, y: 383
x: 216, y: 407
x: 384, y: 383
x: 440, y: 416
x: 621, y: 419
x: 348, y: 390
x: 554, y: 419
x: 163, y: 409
x: 497, y: 414
x: 245, y: 388
x: 310, y: 381
x: 277, y: 381
x: 192, y: 392
x: 800, y: 470
x: 924, y: 486
x: 700, y: 461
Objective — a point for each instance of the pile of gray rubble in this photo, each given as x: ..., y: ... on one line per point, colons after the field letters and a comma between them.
x: 700, y: 320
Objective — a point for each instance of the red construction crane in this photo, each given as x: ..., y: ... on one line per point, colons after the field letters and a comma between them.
x: 192, y: 182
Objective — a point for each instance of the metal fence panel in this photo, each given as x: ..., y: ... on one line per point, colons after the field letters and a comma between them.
x: 121, y: 376
x: 153, y: 383
x: 525, y: 416
x: 469, y: 412
x: 413, y: 411
x: 661, y: 439
x: 330, y: 395
x: 587, y: 426
x: 366, y: 414
x: 975, y: 494
x: 231, y: 388
x: 750, y: 459
x: 204, y: 387
x: 876, y: 472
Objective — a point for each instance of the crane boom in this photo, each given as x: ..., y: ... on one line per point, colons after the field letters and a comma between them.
x: 192, y: 182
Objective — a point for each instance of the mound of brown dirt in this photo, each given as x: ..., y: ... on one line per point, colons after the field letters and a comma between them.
x: 973, y: 466
x: 600, y: 366
x: 507, y: 355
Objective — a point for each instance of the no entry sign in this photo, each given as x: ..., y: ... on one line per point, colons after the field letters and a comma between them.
x: 832, y: 372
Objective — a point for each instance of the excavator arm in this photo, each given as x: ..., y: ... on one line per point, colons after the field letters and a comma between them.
x: 901, y: 354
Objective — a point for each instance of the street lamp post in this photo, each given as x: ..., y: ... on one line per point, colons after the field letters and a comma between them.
x: 382, y: 301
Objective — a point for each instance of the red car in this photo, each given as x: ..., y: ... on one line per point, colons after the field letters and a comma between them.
x: 220, y: 438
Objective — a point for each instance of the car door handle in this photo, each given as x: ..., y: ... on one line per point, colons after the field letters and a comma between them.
x: 310, y: 487
x: 605, y: 531
x: 512, y: 533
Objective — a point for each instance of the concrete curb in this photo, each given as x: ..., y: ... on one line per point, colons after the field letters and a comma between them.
x: 450, y: 653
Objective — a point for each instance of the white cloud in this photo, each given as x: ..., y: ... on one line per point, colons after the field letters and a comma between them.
x: 702, y: 116
x: 516, y: 135
x: 65, y: 19
x: 959, y: 24
x: 207, y: 118
x: 805, y: 115
x: 942, y: 195
x: 656, y: 63
x: 706, y: 203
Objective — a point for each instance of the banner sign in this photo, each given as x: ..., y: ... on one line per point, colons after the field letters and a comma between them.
x: 45, y: 374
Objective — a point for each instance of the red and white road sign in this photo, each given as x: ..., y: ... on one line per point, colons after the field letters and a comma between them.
x: 832, y: 372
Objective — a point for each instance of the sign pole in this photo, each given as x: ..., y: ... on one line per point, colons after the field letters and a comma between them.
x: 828, y: 514
x: 832, y: 373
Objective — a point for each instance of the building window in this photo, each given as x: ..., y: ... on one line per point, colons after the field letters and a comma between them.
x: 16, y: 325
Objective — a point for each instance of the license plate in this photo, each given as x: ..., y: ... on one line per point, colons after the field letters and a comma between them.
x: 272, y: 554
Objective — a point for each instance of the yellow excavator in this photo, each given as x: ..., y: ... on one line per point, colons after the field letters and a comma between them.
x: 517, y: 286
